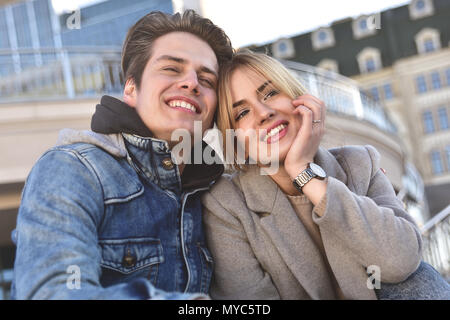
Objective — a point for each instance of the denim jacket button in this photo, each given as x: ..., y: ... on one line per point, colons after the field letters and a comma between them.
x: 129, y: 260
x: 167, y: 164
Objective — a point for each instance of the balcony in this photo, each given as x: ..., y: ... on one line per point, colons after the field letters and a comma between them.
x: 58, y: 74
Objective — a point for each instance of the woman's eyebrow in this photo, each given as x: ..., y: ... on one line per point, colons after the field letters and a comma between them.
x: 259, y: 90
x: 238, y: 103
x: 263, y: 86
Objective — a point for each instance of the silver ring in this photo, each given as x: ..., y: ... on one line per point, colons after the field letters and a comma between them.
x: 317, y: 121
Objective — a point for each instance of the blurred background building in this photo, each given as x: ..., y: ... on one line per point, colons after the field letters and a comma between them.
x: 387, y: 86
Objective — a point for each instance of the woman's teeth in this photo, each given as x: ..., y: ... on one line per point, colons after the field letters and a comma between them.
x: 182, y: 104
x: 274, y: 131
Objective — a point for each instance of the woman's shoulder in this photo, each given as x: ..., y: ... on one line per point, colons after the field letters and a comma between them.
x: 357, y: 158
x: 226, y: 192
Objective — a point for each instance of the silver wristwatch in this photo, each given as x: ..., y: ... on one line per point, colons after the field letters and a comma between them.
x: 312, y: 171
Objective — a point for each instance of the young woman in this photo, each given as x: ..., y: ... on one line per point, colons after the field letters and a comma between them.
x: 317, y: 226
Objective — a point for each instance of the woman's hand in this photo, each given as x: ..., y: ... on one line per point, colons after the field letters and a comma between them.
x: 308, y: 138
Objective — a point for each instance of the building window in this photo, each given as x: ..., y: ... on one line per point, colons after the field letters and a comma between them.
x: 329, y: 65
x: 428, y: 45
x: 447, y: 152
x: 435, y: 81
x: 388, y: 94
x: 421, y: 84
x: 436, y: 162
x: 428, y: 40
x: 420, y: 5
x: 369, y: 60
x: 443, y: 118
x: 447, y: 75
x: 322, y: 38
x: 374, y: 93
x: 362, y: 28
x: 283, y: 49
x: 428, y: 123
x: 370, y: 65
x: 420, y: 9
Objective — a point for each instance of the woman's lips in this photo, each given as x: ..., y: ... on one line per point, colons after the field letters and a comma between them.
x: 277, y: 136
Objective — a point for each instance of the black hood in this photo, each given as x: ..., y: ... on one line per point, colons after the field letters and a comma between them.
x: 114, y: 116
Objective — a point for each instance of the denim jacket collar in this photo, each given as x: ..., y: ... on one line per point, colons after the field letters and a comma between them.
x: 152, y: 159
x: 194, y: 176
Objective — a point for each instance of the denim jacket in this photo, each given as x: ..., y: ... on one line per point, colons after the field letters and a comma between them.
x: 108, y: 217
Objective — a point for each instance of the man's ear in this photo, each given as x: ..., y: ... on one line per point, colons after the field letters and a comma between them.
x: 130, y: 93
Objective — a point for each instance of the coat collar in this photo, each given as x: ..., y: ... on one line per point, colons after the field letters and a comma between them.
x: 260, y: 191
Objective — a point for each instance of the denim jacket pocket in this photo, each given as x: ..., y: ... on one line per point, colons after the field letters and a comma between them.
x: 207, y: 268
x: 130, y: 258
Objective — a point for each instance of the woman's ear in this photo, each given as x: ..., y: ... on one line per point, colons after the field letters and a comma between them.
x: 130, y: 93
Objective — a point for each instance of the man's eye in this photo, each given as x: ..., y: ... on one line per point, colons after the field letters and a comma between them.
x: 241, y: 114
x: 208, y: 82
x: 171, y: 69
x: 270, y: 94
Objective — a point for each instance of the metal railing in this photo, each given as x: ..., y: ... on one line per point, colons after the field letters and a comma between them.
x: 436, y: 242
x: 342, y: 95
x: 79, y: 72
x: 67, y: 73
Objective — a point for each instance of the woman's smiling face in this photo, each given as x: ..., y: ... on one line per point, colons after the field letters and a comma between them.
x: 259, y: 106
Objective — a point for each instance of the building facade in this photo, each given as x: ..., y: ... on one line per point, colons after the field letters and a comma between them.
x: 400, y: 58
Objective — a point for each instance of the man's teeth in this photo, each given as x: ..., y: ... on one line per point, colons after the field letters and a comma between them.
x: 182, y: 104
x: 274, y: 131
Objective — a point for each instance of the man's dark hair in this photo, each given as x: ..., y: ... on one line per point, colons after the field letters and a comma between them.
x: 139, y: 40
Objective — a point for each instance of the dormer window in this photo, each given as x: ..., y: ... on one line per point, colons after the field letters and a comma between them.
x: 365, y: 26
x: 369, y: 60
x: 322, y: 38
x: 283, y: 49
x: 428, y: 40
x: 421, y: 8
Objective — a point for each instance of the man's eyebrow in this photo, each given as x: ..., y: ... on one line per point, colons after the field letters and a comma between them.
x: 183, y: 61
x: 208, y: 70
x: 171, y: 58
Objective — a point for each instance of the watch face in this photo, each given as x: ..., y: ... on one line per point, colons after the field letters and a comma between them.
x: 317, y: 170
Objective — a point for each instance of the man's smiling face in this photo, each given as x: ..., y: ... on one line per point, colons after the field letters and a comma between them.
x: 178, y: 85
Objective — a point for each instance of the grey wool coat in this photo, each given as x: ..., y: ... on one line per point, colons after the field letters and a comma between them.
x: 261, y: 249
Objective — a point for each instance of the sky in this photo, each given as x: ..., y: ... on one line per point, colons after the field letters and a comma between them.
x: 260, y: 21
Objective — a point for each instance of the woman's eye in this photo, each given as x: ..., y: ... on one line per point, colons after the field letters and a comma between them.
x: 270, y: 94
x: 241, y: 114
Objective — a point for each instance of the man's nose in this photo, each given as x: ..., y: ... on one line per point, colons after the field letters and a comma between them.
x: 190, y: 82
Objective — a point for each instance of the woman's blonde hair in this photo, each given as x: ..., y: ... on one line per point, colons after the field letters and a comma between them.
x: 263, y: 65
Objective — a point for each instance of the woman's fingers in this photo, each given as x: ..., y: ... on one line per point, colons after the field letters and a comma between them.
x: 316, y: 105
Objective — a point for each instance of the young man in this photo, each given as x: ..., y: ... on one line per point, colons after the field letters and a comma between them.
x: 107, y: 214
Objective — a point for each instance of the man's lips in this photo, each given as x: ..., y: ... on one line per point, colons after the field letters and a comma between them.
x: 185, y: 103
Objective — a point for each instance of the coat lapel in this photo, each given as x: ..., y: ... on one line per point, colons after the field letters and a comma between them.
x: 285, y: 229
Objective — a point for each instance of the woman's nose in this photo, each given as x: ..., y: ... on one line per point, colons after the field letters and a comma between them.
x: 264, y: 113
